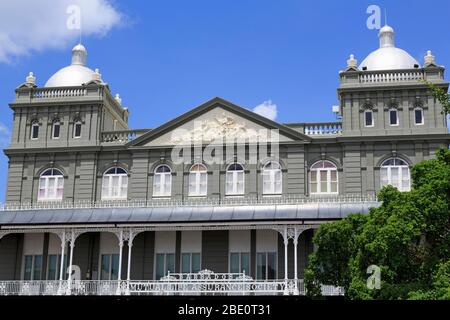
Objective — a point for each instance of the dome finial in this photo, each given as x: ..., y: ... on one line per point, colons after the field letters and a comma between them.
x: 386, y: 37
x: 79, y: 54
x: 429, y: 58
x: 118, y: 98
x: 352, y: 62
x: 31, y: 79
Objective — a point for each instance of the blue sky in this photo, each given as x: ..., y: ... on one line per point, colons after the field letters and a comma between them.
x: 166, y: 57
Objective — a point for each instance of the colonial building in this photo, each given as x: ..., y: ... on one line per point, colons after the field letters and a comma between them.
x: 218, y: 200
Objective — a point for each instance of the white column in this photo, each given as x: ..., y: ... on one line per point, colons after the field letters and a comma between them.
x: 72, y: 245
x: 295, y: 256
x: 119, y: 277
x: 63, y: 247
x: 286, y: 242
x: 130, y: 245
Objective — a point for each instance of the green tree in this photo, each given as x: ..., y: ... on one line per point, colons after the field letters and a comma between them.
x: 441, y: 95
x: 407, y: 236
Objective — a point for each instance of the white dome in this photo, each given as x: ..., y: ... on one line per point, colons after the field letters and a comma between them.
x: 74, y: 75
x: 388, y: 57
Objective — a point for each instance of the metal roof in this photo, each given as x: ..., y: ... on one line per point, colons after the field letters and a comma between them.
x: 308, y: 211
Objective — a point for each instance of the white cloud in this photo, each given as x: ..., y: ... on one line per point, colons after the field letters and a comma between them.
x: 267, y: 109
x: 27, y: 26
x: 5, y: 135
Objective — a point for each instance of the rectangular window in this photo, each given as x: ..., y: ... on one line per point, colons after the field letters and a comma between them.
x: 34, y: 131
x: 77, y: 129
x: 368, y: 118
x: 32, y: 267
x: 54, y: 265
x: 418, y: 116
x: 266, y: 265
x: 190, y: 262
x: 393, y: 117
x: 55, y: 130
x: 109, y: 267
x: 165, y: 262
x: 28, y: 267
x: 240, y: 262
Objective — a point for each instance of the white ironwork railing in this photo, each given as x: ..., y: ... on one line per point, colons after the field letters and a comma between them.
x: 227, y: 285
x: 190, y: 202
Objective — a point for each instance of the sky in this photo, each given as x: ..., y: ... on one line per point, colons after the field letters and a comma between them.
x: 279, y: 58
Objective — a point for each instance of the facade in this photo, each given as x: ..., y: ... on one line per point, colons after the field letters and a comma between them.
x: 94, y: 207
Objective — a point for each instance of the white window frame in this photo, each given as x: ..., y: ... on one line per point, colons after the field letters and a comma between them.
x: 44, y: 179
x: 319, y: 181
x: 58, y: 266
x: 240, y: 254
x: 270, y: 170
x: 109, y: 178
x: 190, y: 261
x: 34, y: 124
x: 396, y: 113
x: 400, y: 168
x: 266, y: 263
x: 75, y: 124
x: 54, y: 124
x: 166, y: 269
x: 160, y: 191
x: 33, y: 265
x: 196, y: 178
x: 110, y: 265
x: 373, y: 120
x: 423, y: 117
x: 235, y: 181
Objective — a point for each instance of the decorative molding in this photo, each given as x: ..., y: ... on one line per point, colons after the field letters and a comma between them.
x: 218, y: 128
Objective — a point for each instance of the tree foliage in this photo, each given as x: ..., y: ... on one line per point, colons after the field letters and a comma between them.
x: 407, y: 236
x: 440, y: 95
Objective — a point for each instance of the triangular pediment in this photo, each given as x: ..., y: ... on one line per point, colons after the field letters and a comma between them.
x: 218, y: 120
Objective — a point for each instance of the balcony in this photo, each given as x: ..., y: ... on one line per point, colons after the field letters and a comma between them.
x: 121, y: 136
x: 192, y: 202
x: 204, y: 282
x: 85, y: 93
x: 391, y: 77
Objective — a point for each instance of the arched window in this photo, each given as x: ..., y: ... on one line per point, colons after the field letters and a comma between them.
x: 368, y: 118
x: 393, y: 117
x: 198, y: 180
x: 115, y: 184
x: 34, y: 130
x: 395, y: 172
x: 77, y: 129
x: 418, y: 116
x: 272, y: 178
x: 324, y: 178
x: 162, y: 181
x: 51, y: 185
x: 234, y: 179
x: 56, y: 128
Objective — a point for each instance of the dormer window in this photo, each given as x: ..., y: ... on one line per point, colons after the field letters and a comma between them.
x: 418, y: 116
x: 393, y: 117
x: 56, y: 128
x: 35, y: 130
x: 77, y: 129
x: 368, y: 118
